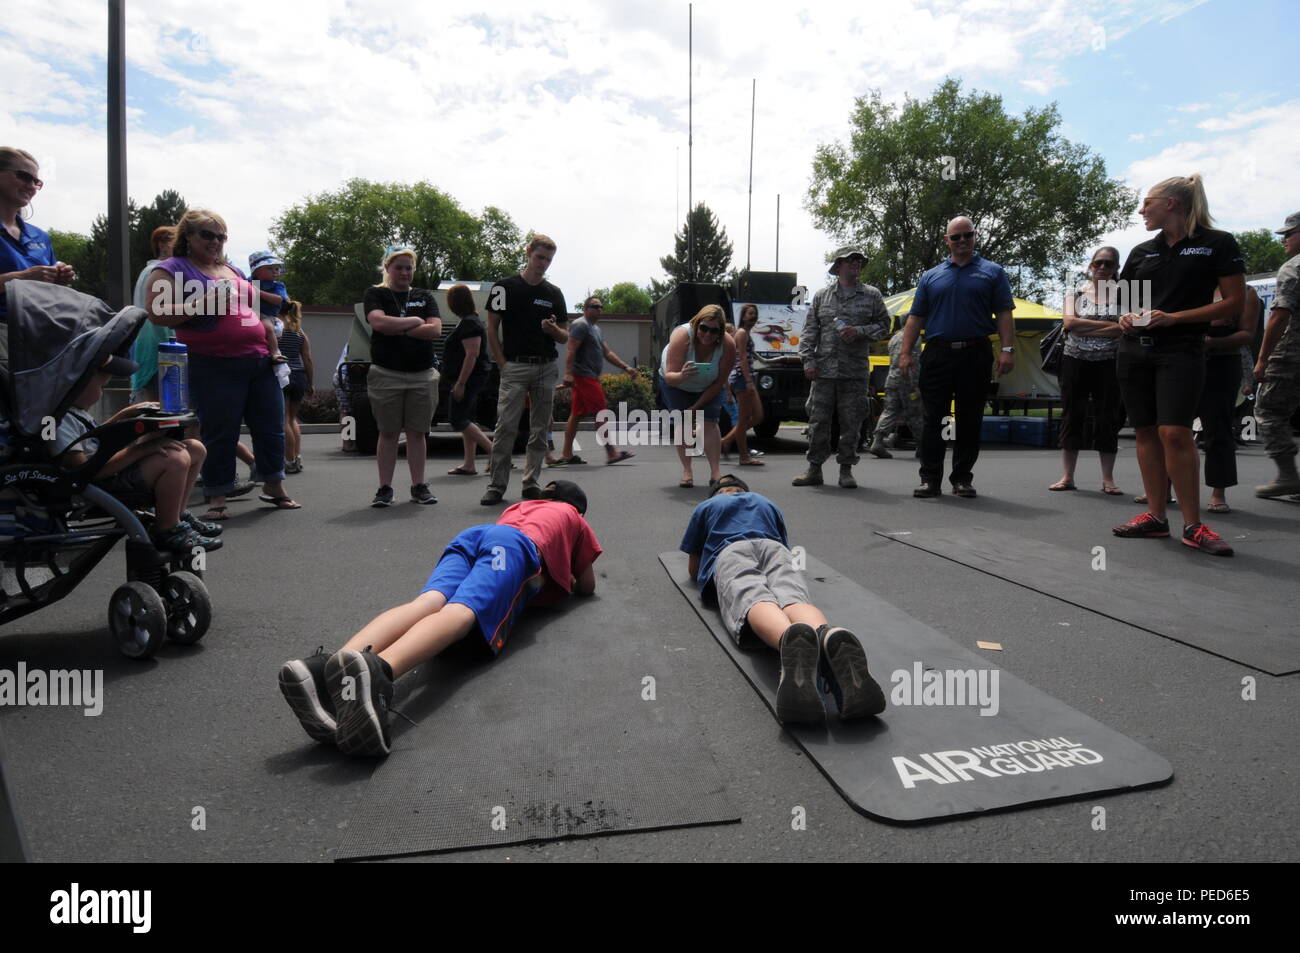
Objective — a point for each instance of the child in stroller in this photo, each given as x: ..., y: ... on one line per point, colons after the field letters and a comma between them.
x: 154, y: 468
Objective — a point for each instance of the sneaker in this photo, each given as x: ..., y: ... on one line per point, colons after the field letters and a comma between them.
x: 964, y: 490
x: 383, y: 497
x: 241, y: 489
x: 181, y: 540
x: 492, y: 496
x: 1145, y: 526
x: 302, y: 682
x: 810, y: 477
x: 842, y: 672
x: 202, y: 527
x: 1199, y: 536
x: 533, y: 492
x: 361, y: 687
x: 420, y: 493
x: 292, y: 467
x: 797, y: 698
x: 926, y: 490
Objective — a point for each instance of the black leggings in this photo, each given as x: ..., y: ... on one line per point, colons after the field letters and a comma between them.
x: 1083, y: 382
x: 1218, y: 401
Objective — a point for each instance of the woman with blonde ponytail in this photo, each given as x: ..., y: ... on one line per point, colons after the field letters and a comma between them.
x: 1169, y: 284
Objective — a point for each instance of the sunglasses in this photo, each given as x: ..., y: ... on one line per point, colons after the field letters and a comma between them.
x: 208, y: 236
x: 27, y: 177
x: 1105, y: 261
x: 711, y: 328
x: 1284, y: 236
x: 959, y: 236
x: 595, y: 307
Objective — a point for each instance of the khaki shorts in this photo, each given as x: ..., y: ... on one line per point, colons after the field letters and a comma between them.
x: 402, y: 400
x: 750, y: 571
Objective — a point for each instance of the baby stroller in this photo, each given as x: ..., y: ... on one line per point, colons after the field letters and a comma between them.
x: 55, y: 526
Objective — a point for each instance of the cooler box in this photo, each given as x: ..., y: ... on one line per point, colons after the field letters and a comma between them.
x: 995, y: 430
x: 1034, y: 431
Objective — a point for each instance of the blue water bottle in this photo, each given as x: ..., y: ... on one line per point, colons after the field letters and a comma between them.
x: 174, y: 377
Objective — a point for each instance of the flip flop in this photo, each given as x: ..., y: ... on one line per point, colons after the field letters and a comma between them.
x: 215, y: 514
x: 280, y: 502
x: 1219, y: 508
x: 461, y: 471
x: 751, y: 462
x: 686, y: 484
x: 623, y: 455
x: 1110, y: 489
x: 1062, y: 485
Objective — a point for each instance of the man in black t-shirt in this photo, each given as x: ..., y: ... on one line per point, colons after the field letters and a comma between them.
x: 524, y: 316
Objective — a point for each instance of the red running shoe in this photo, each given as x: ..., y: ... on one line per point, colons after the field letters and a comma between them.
x: 1146, y: 526
x: 1199, y: 536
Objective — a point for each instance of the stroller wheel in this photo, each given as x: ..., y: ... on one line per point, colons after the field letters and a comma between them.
x: 138, y: 619
x: 189, y: 608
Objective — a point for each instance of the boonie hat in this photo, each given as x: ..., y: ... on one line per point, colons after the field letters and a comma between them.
x: 1292, y: 222
x: 843, y: 254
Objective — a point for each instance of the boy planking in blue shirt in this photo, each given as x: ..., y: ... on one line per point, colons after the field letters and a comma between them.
x: 740, y: 553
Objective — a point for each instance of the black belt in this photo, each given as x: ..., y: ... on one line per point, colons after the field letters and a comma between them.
x: 1151, y: 340
x: 529, y: 359
x: 957, y: 345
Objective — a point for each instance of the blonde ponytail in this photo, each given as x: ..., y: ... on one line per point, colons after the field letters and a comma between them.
x: 1189, y: 193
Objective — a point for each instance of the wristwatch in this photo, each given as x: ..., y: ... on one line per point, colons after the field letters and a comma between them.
x: 1008, y: 350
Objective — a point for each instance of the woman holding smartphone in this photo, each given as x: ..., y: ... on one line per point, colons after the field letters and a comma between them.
x: 1161, y: 359
x: 694, y: 365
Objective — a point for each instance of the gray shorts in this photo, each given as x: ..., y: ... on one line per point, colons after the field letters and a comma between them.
x: 751, y: 571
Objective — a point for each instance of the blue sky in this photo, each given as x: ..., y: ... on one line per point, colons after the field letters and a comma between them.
x: 573, y: 117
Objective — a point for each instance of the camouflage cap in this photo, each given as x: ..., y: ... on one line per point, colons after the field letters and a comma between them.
x: 842, y: 254
x: 1292, y: 223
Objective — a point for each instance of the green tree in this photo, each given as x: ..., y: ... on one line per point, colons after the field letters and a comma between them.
x: 624, y: 298
x: 1038, y: 201
x: 89, y: 254
x: 712, y: 252
x: 73, y: 248
x: 1262, y: 251
x: 333, y: 242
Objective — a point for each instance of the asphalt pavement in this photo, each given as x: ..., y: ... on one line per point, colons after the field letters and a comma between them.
x: 195, y: 756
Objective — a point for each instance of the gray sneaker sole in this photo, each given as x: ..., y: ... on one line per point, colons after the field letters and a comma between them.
x: 300, y: 691
x: 798, y: 701
x: 360, y: 730
x: 862, y: 696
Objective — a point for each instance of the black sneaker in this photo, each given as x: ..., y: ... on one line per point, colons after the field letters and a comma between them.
x: 926, y: 490
x: 842, y: 670
x: 533, y: 492
x: 302, y: 682
x: 361, y: 685
x: 1143, y: 526
x: 797, y: 698
x: 202, y: 527
x: 181, y: 540
x: 383, y: 497
x: 1199, y: 536
x: 420, y: 493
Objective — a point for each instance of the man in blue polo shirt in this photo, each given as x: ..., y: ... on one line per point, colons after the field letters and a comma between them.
x: 956, y: 302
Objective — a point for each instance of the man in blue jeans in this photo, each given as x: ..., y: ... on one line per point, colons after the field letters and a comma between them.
x: 957, y: 303
x: 740, y: 554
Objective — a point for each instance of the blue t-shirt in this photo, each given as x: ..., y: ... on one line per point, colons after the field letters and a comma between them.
x: 33, y: 247
x: 724, y: 519
x: 959, y: 302
x: 271, y: 309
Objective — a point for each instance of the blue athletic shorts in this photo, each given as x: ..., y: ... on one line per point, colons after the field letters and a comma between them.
x: 493, y: 570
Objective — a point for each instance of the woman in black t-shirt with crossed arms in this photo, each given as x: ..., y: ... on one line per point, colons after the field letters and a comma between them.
x: 1161, y: 361
x: 403, y: 376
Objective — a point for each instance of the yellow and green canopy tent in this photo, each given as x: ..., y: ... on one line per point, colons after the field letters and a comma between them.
x: 1032, y: 321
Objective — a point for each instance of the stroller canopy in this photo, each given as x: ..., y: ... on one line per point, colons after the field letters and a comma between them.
x: 56, y: 337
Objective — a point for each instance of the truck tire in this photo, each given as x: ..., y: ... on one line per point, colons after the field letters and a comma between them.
x: 770, y: 425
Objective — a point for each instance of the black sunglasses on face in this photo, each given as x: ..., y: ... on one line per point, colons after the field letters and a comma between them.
x: 208, y: 236
x: 596, y: 307
x: 959, y: 236
x: 712, y: 329
x: 27, y: 177
x: 1105, y: 261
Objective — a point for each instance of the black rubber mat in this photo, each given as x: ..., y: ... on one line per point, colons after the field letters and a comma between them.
x: 1234, y: 622
x: 922, y: 762
x: 557, y: 738
x: 13, y: 848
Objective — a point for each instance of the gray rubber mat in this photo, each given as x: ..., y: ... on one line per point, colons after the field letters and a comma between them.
x: 925, y: 761
x: 557, y: 738
x: 1232, y: 622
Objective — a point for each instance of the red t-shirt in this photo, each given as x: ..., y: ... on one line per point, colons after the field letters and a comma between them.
x: 566, y: 543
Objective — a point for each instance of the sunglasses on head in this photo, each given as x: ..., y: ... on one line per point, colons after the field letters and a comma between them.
x: 958, y: 236
x: 208, y: 236
x: 27, y: 177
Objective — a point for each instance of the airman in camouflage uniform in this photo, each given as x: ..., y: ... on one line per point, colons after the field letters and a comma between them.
x: 845, y: 317
x: 1278, y: 369
x: 902, y: 399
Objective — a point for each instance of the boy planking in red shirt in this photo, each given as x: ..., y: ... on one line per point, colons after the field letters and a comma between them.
x: 537, y: 553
